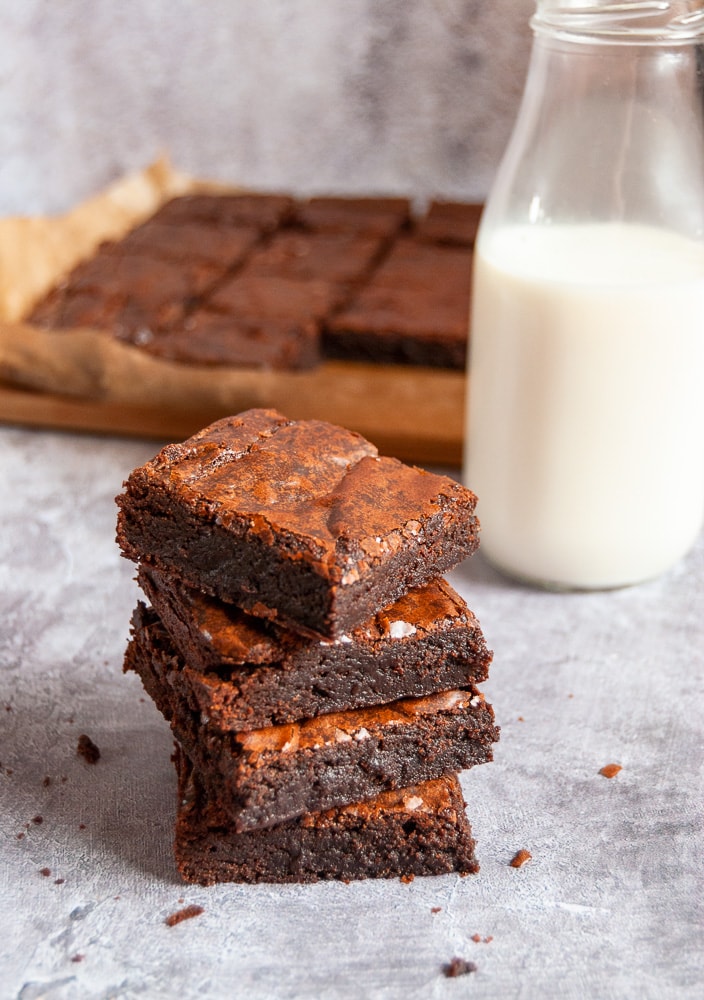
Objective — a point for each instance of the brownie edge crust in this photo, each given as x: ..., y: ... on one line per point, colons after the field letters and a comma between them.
x: 301, y: 522
x: 422, y: 830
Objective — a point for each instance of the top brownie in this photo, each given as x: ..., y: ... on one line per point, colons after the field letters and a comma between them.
x: 301, y: 522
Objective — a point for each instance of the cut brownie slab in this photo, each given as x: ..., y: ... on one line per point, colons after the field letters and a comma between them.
x: 421, y: 830
x: 297, y: 521
x: 214, y: 338
x: 266, y: 776
x: 242, y: 673
x: 413, y: 310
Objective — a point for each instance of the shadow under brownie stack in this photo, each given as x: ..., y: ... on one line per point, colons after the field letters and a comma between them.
x: 318, y: 673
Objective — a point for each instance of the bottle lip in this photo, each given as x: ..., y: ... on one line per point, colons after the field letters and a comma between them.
x: 645, y: 22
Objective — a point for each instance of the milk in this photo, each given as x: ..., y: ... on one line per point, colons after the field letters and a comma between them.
x: 585, y: 440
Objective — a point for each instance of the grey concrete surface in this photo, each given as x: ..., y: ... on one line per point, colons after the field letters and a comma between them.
x: 407, y: 96
x: 610, y: 906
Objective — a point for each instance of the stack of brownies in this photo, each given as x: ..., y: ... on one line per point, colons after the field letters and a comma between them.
x: 318, y: 673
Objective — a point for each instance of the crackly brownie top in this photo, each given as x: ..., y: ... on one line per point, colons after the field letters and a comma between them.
x: 355, y: 725
x: 317, y: 489
x: 237, y: 638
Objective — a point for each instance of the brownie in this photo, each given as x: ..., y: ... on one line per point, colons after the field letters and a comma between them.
x: 421, y: 830
x: 214, y: 338
x: 265, y: 776
x: 265, y: 211
x: 224, y: 246
x: 130, y: 295
x: 414, y: 310
x: 450, y: 222
x: 383, y: 217
x: 327, y: 256
x: 241, y: 673
x: 271, y: 297
x: 297, y: 521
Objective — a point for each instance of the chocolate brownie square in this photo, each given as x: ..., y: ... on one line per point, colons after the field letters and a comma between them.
x: 383, y: 217
x: 265, y: 776
x: 264, y: 211
x: 414, y: 310
x: 298, y: 521
x: 213, y: 338
x: 450, y: 222
x: 421, y: 830
x: 342, y: 258
x: 241, y: 673
x: 129, y: 295
x: 268, y: 297
x: 222, y: 246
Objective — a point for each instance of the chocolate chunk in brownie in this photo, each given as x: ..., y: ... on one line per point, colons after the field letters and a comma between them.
x: 242, y: 673
x: 298, y: 521
x: 450, y: 222
x: 262, y: 777
x: 421, y: 830
x: 214, y: 338
x: 413, y: 310
x: 370, y: 216
x: 265, y: 211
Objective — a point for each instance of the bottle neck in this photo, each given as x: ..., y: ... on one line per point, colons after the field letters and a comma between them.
x: 607, y: 131
x: 630, y: 22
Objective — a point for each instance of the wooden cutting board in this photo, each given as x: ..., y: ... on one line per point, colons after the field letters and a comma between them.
x: 415, y: 415
x: 82, y: 380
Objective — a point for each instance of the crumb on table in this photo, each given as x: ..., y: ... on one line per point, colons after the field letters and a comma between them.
x: 87, y: 749
x: 185, y: 914
x: 610, y: 770
x: 520, y: 858
x: 458, y: 967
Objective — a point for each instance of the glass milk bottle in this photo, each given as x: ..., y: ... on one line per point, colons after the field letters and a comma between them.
x: 585, y: 436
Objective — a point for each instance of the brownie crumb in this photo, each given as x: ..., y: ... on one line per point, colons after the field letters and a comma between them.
x: 185, y: 914
x: 610, y: 770
x: 87, y: 749
x: 81, y: 826
x: 478, y: 939
x: 46, y: 872
x: 77, y: 958
x: 435, y: 909
x: 458, y: 967
x: 20, y: 836
x: 38, y: 820
x: 59, y: 881
x: 47, y: 781
x: 520, y: 858
x: 406, y: 879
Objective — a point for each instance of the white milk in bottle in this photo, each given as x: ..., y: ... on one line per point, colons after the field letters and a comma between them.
x: 586, y: 416
x: 585, y: 435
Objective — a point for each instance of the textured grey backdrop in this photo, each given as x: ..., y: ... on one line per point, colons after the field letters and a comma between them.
x: 409, y: 96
